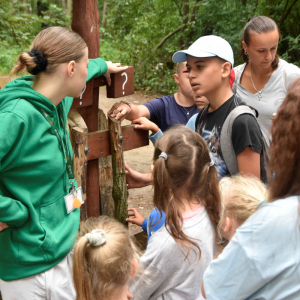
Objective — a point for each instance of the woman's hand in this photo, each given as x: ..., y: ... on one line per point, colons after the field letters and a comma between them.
x: 113, y: 68
x: 3, y: 226
x: 119, y: 111
x: 145, y: 124
x: 137, y: 219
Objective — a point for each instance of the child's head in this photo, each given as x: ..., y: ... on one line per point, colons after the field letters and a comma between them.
x: 182, y: 171
x: 240, y: 198
x: 105, y: 257
x: 200, y: 101
x: 209, y: 62
x: 182, y: 79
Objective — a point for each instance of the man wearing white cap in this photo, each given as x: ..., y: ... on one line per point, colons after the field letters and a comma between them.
x: 209, y: 62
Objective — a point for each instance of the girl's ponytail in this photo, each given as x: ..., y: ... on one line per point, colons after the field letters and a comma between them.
x: 80, y: 272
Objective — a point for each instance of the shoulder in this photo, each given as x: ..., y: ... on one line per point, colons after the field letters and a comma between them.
x: 289, y: 71
x: 161, y: 101
x: 192, y: 121
x: 239, y: 67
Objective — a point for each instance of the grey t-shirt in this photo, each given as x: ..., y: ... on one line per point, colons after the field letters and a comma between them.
x: 273, y: 94
x: 167, y: 275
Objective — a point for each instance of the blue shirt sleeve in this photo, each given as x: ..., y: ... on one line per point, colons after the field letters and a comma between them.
x: 156, y: 108
x: 154, y: 137
x: 192, y: 121
x: 144, y: 225
x: 232, y: 275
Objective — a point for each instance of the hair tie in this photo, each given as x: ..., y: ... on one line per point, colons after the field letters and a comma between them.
x: 97, y: 237
x: 164, y: 155
x: 39, y: 59
x: 211, y: 163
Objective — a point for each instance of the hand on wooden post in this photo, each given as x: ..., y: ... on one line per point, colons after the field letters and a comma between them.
x: 135, y: 179
x: 145, y: 124
x: 3, y: 226
x: 113, y: 68
x: 119, y: 111
x: 137, y: 219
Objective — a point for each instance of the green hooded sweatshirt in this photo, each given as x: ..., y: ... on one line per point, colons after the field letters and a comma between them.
x: 33, y: 180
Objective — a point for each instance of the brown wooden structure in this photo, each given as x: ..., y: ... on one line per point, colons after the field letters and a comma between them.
x: 92, y: 141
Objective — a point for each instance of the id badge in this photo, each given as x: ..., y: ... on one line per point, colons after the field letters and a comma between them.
x: 74, y: 200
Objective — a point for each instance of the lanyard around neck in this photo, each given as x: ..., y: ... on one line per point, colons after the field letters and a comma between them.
x: 69, y: 164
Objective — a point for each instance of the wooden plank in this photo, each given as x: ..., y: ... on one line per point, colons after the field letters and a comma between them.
x: 119, y: 192
x: 99, y: 142
x: 87, y: 97
x: 122, y: 84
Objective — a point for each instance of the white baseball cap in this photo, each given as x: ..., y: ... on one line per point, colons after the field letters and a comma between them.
x: 207, y: 46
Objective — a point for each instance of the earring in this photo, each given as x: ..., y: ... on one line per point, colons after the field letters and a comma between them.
x: 245, y: 52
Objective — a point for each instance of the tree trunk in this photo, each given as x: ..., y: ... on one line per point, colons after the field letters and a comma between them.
x: 186, y: 10
x: 104, y: 13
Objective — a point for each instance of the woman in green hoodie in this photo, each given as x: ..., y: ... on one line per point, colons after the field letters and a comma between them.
x: 37, y: 232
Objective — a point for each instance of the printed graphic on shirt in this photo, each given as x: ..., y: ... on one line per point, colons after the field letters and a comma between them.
x: 212, y: 139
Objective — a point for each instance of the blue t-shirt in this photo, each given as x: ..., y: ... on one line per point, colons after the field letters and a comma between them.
x: 165, y: 112
x: 262, y: 261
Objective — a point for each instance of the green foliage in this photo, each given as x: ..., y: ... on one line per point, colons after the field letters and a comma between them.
x: 136, y: 31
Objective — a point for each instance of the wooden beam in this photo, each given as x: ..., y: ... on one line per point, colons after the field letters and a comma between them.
x: 99, y: 142
x: 119, y: 192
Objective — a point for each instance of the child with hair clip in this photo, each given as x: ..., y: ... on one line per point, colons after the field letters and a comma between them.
x: 186, y: 188
x: 105, y: 257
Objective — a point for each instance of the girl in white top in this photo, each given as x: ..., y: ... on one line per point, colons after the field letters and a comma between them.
x: 263, y: 79
x: 186, y: 188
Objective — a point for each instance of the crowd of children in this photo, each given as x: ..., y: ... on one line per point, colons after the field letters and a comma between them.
x: 226, y: 218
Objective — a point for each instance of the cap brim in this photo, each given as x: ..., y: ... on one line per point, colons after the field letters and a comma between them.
x: 181, y: 56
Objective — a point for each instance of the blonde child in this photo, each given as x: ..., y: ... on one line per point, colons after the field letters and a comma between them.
x: 105, y: 258
x: 240, y: 198
x: 186, y: 188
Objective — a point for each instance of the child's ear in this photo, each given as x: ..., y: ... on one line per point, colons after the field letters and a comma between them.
x: 134, y: 265
x: 228, y: 225
x: 71, y: 68
x: 176, y: 78
x: 226, y: 69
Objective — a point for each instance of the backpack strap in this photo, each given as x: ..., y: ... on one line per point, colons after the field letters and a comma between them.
x: 226, y: 138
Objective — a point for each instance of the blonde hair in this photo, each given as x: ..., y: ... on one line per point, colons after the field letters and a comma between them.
x: 180, y: 67
x: 240, y: 198
x: 185, y: 171
x: 100, y: 272
x: 51, y: 47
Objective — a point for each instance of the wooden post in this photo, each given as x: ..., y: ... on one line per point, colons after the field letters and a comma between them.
x: 78, y: 136
x: 119, y: 191
x: 86, y: 22
x: 105, y: 176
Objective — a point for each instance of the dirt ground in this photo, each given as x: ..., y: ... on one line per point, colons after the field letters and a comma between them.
x: 139, y: 159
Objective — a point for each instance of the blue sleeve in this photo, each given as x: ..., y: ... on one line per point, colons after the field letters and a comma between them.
x: 156, y: 108
x: 154, y: 137
x: 232, y: 275
x: 192, y: 121
x: 144, y: 225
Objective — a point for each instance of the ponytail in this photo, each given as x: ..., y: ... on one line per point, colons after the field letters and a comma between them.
x: 184, y: 174
x: 80, y: 271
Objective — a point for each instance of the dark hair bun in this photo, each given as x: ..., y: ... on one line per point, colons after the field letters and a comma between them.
x: 40, y: 61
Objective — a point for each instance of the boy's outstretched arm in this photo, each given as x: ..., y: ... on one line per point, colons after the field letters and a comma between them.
x: 249, y: 162
x: 145, y: 124
x: 122, y: 110
x: 135, y: 179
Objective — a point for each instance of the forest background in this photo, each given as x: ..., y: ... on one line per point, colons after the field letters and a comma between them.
x: 146, y: 33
